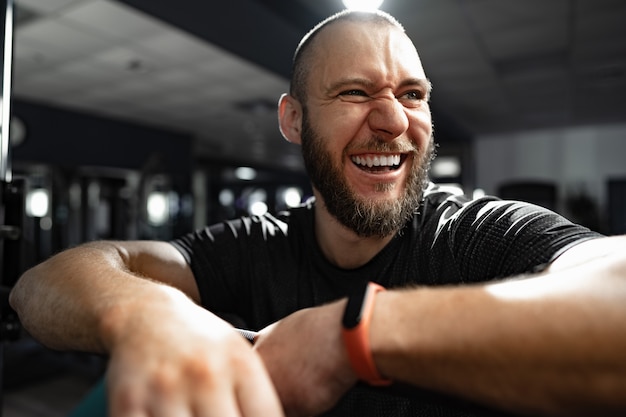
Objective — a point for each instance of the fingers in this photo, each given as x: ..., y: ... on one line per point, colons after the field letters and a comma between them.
x: 238, y: 388
x: 255, y: 398
x: 259, y: 393
x: 252, y: 401
x: 249, y: 393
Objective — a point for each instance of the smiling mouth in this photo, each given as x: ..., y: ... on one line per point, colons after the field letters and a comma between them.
x: 379, y: 163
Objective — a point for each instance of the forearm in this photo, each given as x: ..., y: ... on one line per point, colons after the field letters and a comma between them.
x: 68, y: 301
x: 549, y: 345
x: 135, y: 302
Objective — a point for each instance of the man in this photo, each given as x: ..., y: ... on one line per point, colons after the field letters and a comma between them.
x: 450, y: 339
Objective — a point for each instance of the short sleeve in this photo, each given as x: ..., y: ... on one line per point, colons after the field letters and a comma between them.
x: 490, y: 238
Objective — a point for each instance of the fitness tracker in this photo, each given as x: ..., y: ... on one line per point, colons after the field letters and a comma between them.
x: 355, y: 332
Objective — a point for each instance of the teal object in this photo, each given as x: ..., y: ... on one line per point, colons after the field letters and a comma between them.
x: 94, y: 404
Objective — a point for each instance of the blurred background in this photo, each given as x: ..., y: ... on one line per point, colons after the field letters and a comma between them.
x: 145, y: 119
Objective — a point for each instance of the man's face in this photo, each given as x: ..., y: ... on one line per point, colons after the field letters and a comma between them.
x: 366, y: 129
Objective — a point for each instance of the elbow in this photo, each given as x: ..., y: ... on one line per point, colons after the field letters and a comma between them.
x: 22, y: 294
x: 16, y: 295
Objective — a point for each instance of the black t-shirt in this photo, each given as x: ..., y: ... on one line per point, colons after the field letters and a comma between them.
x: 260, y: 269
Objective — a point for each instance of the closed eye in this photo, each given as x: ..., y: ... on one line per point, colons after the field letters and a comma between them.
x: 353, y: 93
x: 354, y: 96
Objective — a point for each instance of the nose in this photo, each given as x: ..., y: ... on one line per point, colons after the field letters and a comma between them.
x: 388, y: 117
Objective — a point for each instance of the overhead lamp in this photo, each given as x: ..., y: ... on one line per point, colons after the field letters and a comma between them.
x: 446, y: 166
x: 227, y: 197
x: 37, y: 202
x: 258, y: 208
x: 478, y: 193
x: 363, y: 5
x: 256, y: 201
x: 245, y: 173
x: 292, y: 196
x: 158, y: 208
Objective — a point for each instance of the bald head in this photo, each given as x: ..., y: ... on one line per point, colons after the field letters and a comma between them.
x: 303, y: 57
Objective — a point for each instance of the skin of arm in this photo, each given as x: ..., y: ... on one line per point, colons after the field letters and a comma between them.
x: 136, y: 302
x: 551, y: 344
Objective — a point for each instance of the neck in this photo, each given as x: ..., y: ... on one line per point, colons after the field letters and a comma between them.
x: 342, y: 246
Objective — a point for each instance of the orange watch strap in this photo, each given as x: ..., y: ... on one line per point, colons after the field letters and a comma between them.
x: 357, y: 341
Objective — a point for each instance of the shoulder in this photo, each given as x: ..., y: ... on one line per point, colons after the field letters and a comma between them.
x: 260, y: 227
x: 284, y: 222
x: 441, y: 205
x: 448, y: 208
x: 491, y: 226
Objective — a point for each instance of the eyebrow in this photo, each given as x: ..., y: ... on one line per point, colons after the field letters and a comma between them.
x: 342, y: 83
x: 422, y: 82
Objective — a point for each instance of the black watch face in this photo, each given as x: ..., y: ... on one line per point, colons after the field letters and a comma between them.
x: 354, y: 309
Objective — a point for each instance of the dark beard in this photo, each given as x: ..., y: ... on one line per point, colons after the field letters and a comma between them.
x: 365, y: 218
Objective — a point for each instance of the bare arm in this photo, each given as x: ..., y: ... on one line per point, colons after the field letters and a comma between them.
x: 552, y: 344
x: 64, y: 301
x: 135, y: 302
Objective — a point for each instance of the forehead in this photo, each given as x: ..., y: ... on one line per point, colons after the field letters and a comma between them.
x: 365, y: 49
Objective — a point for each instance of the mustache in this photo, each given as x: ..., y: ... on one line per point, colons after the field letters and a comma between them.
x: 378, y: 144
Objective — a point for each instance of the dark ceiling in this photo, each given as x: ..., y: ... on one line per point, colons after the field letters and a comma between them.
x: 497, y: 66
x: 541, y: 63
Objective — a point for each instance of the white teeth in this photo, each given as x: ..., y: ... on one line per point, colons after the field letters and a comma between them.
x: 377, y: 160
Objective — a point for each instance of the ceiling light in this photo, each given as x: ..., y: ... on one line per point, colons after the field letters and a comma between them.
x: 478, y: 193
x: 446, y: 166
x: 362, y: 5
x: 37, y: 202
x: 257, y: 205
x: 292, y: 196
x: 245, y: 173
x: 227, y: 197
x: 158, y: 208
x: 258, y: 208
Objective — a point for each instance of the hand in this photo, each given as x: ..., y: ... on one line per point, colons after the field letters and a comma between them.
x: 187, y: 363
x: 306, y: 359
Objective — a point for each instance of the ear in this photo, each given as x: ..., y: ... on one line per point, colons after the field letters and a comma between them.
x: 290, y: 118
